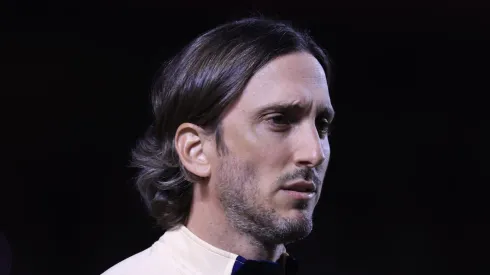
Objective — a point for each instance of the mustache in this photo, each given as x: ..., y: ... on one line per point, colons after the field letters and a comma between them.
x: 301, y: 174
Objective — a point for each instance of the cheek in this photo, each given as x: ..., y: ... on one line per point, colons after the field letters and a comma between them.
x: 274, y: 157
x: 271, y: 163
x: 268, y: 152
x: 260, y: 145
x: 272, y: 147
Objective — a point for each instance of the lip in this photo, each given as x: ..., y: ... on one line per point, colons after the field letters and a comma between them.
x: 301, y: 187
x: 299, y: 195
x: 301, y: 190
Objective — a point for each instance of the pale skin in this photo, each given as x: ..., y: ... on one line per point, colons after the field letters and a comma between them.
x: 272, y: 140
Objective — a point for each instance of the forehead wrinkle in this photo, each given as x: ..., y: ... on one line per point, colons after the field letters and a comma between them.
x: 302, y: 105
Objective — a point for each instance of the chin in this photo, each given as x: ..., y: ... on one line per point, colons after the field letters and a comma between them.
x: 300, y: 211
x: 297, y: 225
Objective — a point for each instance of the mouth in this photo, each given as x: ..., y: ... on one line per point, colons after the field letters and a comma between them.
x: 302, y: 190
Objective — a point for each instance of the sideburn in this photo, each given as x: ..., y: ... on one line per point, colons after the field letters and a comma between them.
x: 222, y: 149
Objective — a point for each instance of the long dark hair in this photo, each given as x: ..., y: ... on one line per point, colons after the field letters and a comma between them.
x: 197, y: 86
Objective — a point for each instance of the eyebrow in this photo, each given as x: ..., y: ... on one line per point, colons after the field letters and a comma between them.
x: 296, y: 106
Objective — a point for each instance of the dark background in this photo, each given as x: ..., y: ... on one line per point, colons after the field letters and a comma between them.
x: 406, y: 188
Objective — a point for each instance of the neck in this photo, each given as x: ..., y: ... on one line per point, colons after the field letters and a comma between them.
x: 208, y: 222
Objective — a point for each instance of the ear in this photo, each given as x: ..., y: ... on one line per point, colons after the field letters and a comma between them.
x: 189, y: 143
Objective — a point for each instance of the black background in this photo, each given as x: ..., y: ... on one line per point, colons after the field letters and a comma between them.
x: 406, y: 188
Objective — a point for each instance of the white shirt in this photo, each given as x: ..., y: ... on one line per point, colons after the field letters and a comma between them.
x: 178, y: 252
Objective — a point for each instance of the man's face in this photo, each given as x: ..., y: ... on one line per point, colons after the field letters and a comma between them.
x: 276, y: 139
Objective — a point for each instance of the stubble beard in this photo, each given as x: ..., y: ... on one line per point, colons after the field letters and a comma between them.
x: 246, y: 210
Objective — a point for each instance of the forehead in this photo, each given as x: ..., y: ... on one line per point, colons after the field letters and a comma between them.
x: 296, y: 77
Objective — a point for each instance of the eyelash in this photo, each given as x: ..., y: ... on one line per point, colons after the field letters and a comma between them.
x: 281, y: 116
x: 323, y: 130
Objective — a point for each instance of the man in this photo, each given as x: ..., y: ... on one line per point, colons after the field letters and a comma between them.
x: 233, y: 166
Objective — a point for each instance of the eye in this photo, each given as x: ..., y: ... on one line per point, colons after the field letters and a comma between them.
x: 279, y: 121
x: 323, y: 126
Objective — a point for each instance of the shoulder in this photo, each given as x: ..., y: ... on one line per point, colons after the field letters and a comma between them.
x: 146, y: 262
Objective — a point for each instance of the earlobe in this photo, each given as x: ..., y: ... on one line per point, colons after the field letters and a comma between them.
x: 189, y: 140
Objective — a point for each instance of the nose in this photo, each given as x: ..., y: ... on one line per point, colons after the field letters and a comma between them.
x: 311, y: 151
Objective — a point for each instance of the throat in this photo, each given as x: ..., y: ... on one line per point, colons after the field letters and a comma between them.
x: 251, y: 249
x: 215, y: 229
